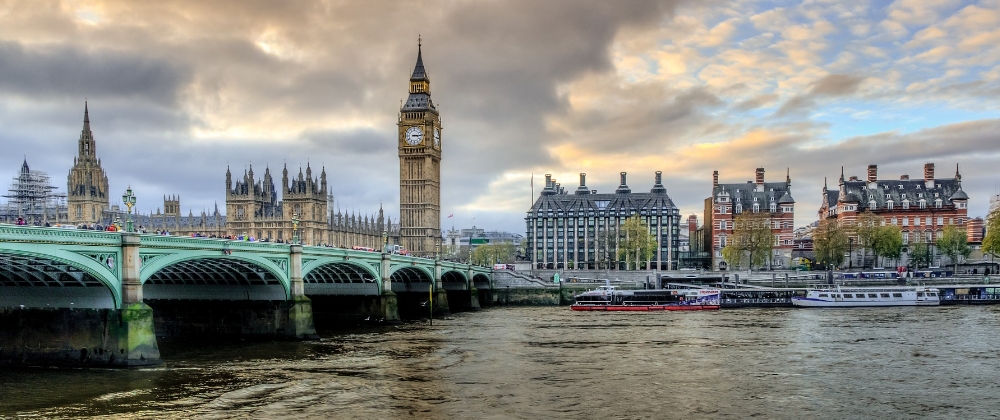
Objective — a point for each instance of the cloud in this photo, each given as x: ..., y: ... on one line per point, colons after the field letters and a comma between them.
x: 830, y: 85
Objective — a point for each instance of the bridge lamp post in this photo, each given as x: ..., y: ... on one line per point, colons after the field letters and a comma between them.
x: 385, y: 241
x: 295, y: 228
x: 129, y: 199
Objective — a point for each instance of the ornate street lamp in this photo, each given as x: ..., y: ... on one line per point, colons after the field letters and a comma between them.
x: 385, y: 241
x: 295, y: 228
x: 129, y: 199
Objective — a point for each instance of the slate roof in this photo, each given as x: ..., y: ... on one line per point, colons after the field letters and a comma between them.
x: 897, y: 191
x: 624, y: 203
x: 744, y: 194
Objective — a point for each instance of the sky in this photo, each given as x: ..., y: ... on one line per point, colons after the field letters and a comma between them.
x: 179, y: 90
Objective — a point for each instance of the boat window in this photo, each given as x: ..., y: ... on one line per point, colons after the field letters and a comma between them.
x: 899, y: 295
x: 836, y: 296
x: 848, y: 296
x: 885, y: 295
x: 872, y: 295
x: 824, y: 295
x: 920, y: 294
x: 932, y: 294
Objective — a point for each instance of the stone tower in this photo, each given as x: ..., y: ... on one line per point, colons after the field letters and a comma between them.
x: 87, y: 186
x: 304, y: 197
x: 420, y: 166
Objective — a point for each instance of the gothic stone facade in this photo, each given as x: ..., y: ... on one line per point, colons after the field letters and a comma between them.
x: 87, y: 186
x: 920, y: 207
x: 420, y: 167
x: 729, y: 200
x: 571, y: 230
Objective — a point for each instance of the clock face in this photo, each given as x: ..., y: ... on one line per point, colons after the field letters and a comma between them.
x: 437, y: 138
x: 414, y: 135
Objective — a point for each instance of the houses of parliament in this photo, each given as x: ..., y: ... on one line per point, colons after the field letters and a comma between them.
x: 302, y: 205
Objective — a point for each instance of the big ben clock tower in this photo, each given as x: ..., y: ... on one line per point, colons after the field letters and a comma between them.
x: 420, y: 166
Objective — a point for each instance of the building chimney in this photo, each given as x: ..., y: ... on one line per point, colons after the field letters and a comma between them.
x: 658, y: 185
x: 715, y: 179
x: 929, y: 175
x: 760, y: 176
x: 623, y: 188
x: 904, y: 177
x: 548, y: 180
x: 582, y: 189
x: 872, y: 173
x: 853, y: 178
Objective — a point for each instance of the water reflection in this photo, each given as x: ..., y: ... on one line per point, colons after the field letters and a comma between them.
x: 552, y: 362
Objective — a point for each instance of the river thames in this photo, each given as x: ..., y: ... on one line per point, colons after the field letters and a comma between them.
x: 549, y: 362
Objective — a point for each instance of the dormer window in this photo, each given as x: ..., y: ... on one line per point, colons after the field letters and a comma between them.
x: 888, y: 204
x: 923, y: 203
x: 774, y: 207
x: 937, y: 203
x: 906, y: 204
x: 873, y: 205
x: 756, y: 207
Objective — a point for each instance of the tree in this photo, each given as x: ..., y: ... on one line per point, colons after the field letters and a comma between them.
x: 866, y: 228
x: 607, y: 245
x: 752, y: 240
x: 636, y: 245
x: 991, y: 242
x: 490, y: 254
x: 830, y: 242
x: 889, y: 241
x: 920, y: 254
x: 953, y: 243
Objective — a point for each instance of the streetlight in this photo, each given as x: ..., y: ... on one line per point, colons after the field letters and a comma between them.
x: 850, y: 252
x: 295, y: 228
x: 385, y: 241
x: 129, y: 199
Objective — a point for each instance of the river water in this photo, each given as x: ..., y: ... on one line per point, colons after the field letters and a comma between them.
x: 549, y: 362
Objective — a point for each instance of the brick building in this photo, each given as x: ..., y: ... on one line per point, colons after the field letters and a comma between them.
x: 920, y: 207
x: 729, y: 200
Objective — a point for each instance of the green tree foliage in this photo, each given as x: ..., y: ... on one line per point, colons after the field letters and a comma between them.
x: 920, y: 255
x: 953, y: 243
x: 866, y: 230
x: 752, y: 240
x: 991, y: 242
x: 830, y: 242
x: 490, y: 254
x: 635, y: 244
x: 888, y: 241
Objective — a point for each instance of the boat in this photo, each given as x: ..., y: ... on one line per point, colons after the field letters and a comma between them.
x: 868, y: 296
x: 609, y: 298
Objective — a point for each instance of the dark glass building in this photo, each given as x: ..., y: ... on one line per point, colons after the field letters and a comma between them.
x: 580, y: 230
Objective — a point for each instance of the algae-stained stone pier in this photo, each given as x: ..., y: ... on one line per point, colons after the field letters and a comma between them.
x: 85, y: 298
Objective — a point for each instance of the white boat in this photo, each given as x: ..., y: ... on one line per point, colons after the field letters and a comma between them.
x: 868, y: 296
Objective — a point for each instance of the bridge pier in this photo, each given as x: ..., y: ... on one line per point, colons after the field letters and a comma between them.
x: 440, y: 295
x: 298, y: 311
x: 387, y: 300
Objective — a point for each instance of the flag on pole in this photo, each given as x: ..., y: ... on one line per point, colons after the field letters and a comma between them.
x: 449, y: 216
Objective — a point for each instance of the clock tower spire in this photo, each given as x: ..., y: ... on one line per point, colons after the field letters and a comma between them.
x: 420, y: 165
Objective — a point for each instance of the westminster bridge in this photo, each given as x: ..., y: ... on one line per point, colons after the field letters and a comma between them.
x: 91, y: 297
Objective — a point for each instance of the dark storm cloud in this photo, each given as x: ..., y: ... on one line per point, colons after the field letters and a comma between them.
x: 65, y: 71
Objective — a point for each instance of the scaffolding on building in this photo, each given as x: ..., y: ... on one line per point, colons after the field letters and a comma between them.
x: 32, y: 198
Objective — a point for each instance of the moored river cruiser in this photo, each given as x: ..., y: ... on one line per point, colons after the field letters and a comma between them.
x: 868, y: 296
x: 609, y: 298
